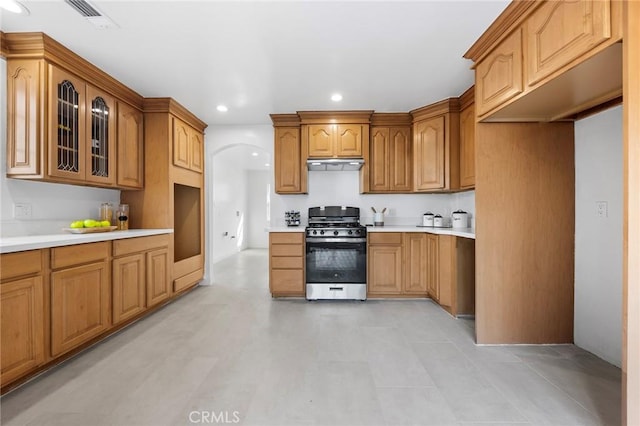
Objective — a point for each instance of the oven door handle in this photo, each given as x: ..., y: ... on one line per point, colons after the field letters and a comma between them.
x: 336, y: 240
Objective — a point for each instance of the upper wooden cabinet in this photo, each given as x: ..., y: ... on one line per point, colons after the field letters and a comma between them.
x: 560, y: 31
x: 548, y: 60
x: 62, y: 114
x: 467, y: 140
x: 329, y: 134
x: 289, y: 162
x: 390, y: 160
x: 130, y: 147
x: 334, y: 140
x: 187, y: 146
x: 499, y: 75
x: 436, y: 147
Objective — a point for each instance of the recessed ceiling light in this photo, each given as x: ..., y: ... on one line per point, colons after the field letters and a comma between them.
x: 13, y: 6
x: 336, y: 97
x: 255, y: 154
x: 222, y: 108
x: 267, y: 164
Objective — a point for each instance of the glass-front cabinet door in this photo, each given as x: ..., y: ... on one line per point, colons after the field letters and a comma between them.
x: 101, y: 132
x: 66, y: 154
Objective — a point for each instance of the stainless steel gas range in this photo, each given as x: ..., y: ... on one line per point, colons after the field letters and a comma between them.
x: 336, y: 254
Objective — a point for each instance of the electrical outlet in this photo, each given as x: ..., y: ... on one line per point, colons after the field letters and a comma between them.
x: 602, y: 209
x: 22, y: 211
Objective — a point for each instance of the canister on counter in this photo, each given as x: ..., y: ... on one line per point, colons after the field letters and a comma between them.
x: 123, y: 217
x: 427, y: 219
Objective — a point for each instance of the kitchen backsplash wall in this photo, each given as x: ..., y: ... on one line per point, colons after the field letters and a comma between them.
x: 343, y: 188
x: 53, y: 206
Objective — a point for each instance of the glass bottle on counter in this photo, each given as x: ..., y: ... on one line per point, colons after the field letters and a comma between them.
x: 106, y: 212
x: 123, y: 217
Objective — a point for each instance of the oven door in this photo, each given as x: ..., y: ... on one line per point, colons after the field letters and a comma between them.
x: 336, y: 260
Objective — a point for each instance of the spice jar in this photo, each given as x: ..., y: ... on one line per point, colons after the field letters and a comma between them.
x: 123, y: 217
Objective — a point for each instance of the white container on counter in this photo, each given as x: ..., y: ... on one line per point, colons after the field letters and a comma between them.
x: 460, y: 219
x: 438, y: 221
x: 427, y: 219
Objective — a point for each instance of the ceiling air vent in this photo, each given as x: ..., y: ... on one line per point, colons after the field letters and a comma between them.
x: 83, y: 8
x: 95, y: 18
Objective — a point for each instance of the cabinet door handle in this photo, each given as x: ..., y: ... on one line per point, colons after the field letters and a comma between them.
x: 336, y: 288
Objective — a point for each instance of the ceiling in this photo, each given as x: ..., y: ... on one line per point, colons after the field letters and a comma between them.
x: 267, y: 57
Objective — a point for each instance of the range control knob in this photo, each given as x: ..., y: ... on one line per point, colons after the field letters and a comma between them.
x: 351, y: 232
x: 357, y: 232
x: 335, y: 233
x: 321, y: 232
x: 315, y: 232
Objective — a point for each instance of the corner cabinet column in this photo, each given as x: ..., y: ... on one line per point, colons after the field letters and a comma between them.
x: 290, y: 168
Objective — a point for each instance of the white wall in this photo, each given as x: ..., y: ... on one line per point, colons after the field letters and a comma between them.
x: 228, y: 209
x: 258, y: 207
x: 343, y: 188
x: 598, y: 252
x: 53, y: 206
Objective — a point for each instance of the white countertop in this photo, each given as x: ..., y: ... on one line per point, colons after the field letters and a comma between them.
x: 458, y: 232
x: 287, y: 228
x: 33, y: 242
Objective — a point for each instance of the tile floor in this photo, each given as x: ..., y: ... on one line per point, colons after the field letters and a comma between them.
x: 228, y: 353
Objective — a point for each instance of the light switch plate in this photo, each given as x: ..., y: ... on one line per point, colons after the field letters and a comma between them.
x: 602, y: 209
x: 22, y: 211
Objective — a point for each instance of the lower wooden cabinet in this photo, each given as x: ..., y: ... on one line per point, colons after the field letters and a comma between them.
x: 140, y: 275
x: 53, y: 301
x: 456, y: 274
x: 22, y: 326
x: 129, y: 289
x: 286, y: 264
x: 80, y: 305
x: 415, y: 264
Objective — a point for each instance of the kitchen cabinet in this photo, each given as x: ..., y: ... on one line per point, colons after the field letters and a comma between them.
x: 467, y: 140
x: 560, y: 31
x: 81, y: 142
x: 548, y: 60
x: 173, y: 195
x: 187, y: 146
x: 390, y: 165
x: 334, y: 140
x: 62, y: 114
x: 286, y: 264
x: 433, y: 254
x: 329, y: 134
x: 436, y: 147
x: 22, y: 326
x: 416, y: 263
x: 80, y: 294
x: 385, y: 264
x: 140, y: 275
x: 290, y: 172
x: 456, y: 274
x: 130, y: 147
x: 499, y: 75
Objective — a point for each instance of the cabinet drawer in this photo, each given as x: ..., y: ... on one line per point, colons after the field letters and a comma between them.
x: 287, y: 250
x: 20, y: 264
x: 134, y: 245
x: 78, y: 254
x: 286, y: 237
x: 287, y: 262
x: 385, y: 238
x: 287, y: 280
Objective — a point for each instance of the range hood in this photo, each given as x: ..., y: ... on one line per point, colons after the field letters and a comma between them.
x: 335, y: 164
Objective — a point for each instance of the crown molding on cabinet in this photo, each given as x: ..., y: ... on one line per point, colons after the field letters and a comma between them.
x: 41, y: 46
x: 442, y: 107
x: 170, y: 105
x: 391, y: 119
x: 335, y: 117
x: 285, y: 120
x: 467, y: 98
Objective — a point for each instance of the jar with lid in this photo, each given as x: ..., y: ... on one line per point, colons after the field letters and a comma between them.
x: 123, y: 217
x: 106, y: 212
